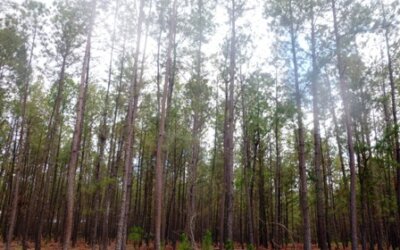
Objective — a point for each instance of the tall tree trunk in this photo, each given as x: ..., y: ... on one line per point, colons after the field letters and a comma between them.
x: 393, y: 90
x: 161, y: 130
x: 21, y: 150
x: 277, y: 232
x: 247, y: 168
x: 112, y: 165
x: 79, y: 193
x: 191, y: 196
x: 76, y: 139
x: 141, y: 163
x: 47, y: 156
x: 103, y: 134
x: 337, y: 134
x: 300, y: 134
x: 214, y: 212
x: 134, y: 93
x: 319, y: 185
x: 263, y: 226
x: 347, y: 117
x: 228, y: 133
x: 196, y: 130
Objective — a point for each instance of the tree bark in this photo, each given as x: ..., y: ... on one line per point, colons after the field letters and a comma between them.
x: 300, y: 134
x: 134, y: 92
x: 393, y: 90
x: 277, y: 232
x: 319, y: 185
x: 247, y: 169
x: 103, y: 135
x: 76, y: 140
x: 228, y: 133
x: 347, y: 117
x: 21, y: 150
x: 196, y: 130
x: 161, y: 130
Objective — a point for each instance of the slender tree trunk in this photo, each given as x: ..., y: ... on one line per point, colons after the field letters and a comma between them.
x: 48, y: 152
x: 161, y: 131
x: 330, y: 221
x: 393, y: 90
x: 79, y: 193
x: 11, y: 157
x: 214, y: 224
x: 343, y: 230
x: 191, y: 196
x: 21, y: 150
x: 196, y: 130
x: 222, y: 214
x: 103, y: 135
x: 76, y: 140
x: 228, y: 133
x: 347, y: 117
x: 337, y: 134
x: 276, y: 238
x: 319, y: 185
x: 134, y: 93
x: 247, y: 169
x: 112, y: 165
x: 300, y: 134
x: 263, y: 196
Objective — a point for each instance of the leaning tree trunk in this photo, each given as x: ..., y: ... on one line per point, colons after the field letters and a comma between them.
x: 76, y: 139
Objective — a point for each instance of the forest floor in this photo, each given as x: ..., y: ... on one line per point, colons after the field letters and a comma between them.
x: 81, y: 245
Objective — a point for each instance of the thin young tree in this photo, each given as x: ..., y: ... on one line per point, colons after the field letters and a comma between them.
x: 103, y: 133
x: 247, y: 168
x: 319, y: 184
x: 198, y: 93
x: 161, y: 128
x: 300, y: 134
x: 134, y: 91
x: 229, y: 127
x: 345, y: 96
x: 26, y: 78
x: 386, y: 30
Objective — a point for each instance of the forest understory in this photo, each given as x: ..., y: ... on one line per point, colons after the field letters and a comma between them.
x: 82, y: 245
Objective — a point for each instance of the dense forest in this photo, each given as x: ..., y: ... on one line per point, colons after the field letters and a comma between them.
x: 200, y: 124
